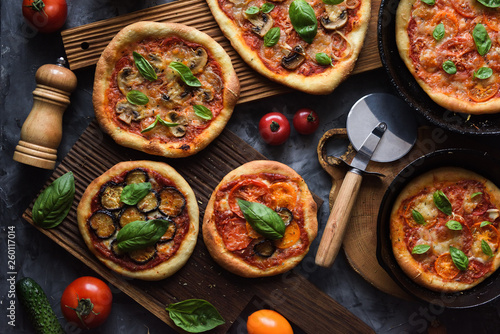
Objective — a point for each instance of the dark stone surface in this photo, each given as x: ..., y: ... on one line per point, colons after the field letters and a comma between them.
x: 23, y: 52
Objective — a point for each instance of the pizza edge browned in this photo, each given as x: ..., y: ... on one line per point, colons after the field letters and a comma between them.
x: 139, y: 31
x: 397, y: 234
x: 319, y: 84
x: 188, y: 244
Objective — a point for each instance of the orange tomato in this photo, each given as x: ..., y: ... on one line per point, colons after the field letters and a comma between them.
x: 292, y: 235
x: 445, y: 267
x: 268, y: 322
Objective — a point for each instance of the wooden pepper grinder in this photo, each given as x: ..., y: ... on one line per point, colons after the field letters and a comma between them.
x: 41, y: 133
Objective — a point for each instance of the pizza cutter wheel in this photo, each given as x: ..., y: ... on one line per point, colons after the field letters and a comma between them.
x: 380, y: 127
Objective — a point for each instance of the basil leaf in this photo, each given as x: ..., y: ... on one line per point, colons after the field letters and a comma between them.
x: 485, y: 247
x: 272, y: 36
x: 303, y: 20
x: 158, y: 119
x: 449, y: 67
x: 453, y: 225
x: 483, y: 224
x: 420, y: 249
x: 459, y: 258
x: 136, y: 97
x: 266, y: 7
x: 490, y: 3
x: 475, y: 194
x: 202, y: 112
x: 140, y: 234
x: 429, y: 2
x: 195, y: 315
x: 252, y: 10
x: 417, y: 217
x: 144, y: 67
x: 263, y: 220
x: 185, y: 73
x: 323, y: 59
x: 133, y: 193
x: 481, y: 38
x: 332, y: 2
x: 438, y: 32
x: 54, y: 203
x: 442, y: 202
x: 483, y: 73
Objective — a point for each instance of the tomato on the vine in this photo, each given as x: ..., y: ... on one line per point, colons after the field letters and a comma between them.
x: 86, y: 302
x: 268, y: 322
x: 46, y: 16
x: 274, y: 128
x: 305, y: 121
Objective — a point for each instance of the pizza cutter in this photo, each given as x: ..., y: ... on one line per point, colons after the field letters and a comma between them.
x: 382, y: 128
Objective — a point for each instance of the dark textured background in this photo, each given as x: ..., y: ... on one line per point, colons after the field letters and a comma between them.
x: 23, y: 52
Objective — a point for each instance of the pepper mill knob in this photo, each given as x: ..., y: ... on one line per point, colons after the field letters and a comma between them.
x: 41, y: 133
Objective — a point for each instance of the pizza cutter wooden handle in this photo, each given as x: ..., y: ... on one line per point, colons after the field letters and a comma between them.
x: 337, y: 221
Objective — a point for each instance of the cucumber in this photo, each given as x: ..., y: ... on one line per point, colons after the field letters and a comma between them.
x: 36, y: 304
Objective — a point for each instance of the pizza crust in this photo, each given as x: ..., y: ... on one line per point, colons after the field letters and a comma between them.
x: 105, y: 67
x: 187, y: 246
x: 397, y: 234
x: 213, y: 239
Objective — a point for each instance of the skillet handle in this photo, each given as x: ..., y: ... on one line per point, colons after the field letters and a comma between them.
x: 337, y: 221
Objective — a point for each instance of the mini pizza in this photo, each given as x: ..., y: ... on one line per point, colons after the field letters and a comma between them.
x: 164, y: 88
x: 309, y: 45
x: 260, y: 220
x: 444, y: 229
x: 452, y: 48
x: 140, y: 218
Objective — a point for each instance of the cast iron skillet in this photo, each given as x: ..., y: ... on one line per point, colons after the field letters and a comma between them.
x: 408, y: 88
x: 480, y: 162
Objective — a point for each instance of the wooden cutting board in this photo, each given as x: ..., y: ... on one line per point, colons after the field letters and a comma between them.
x: 310, y: 310
x: 84, y: 44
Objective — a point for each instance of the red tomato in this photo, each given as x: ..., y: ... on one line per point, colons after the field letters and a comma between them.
x: 305, y: 121
x: 274, y: 128
x: 45, y: 15
x: 86, y: 302
x: 268, y: 322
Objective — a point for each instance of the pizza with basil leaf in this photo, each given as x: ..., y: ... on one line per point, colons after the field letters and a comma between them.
x: 309, y: 45
x: 260, y: 220
x: 163, y: 88
x: 444, y: 229
x: 140, y: 218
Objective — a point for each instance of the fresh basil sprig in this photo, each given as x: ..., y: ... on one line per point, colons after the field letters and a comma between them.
x: 332, y: 2
x: 490, y: 3
x: 144, y: 67
x: 137, y: 97
x: 54, y: 203
x: 417, y: 217
x: 161, y: 121
x: 482, y: 39
x: 252, y: 10
x: 438, y: 32
x: 272, y: 36
x: 420, y: 249
x: 476, y: 194
x: 442, y: 202
x: 303, y: 20
x: 266, y: 7
x: 483, y: 224
x: 459, y: 258
x: 134, y: 192
x: 323, y: 59
x: 449, y: 67
x: 429, y: 2
x: 485, y: 247
x: 263, y: 220
x: 185, y: 73
x: 195, y: 315
x: 453, y: 225
x: 483, y: 73
x: 140, y: 234
x: 203, y: 112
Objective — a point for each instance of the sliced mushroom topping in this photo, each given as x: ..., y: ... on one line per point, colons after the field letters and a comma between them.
x: 111, y: 196
x: 143, y: 255
x: 335, y: 17
x: 172, y: 202
x: 103, y: 224
x: 157, y: 62
x: 127, y: 112
x: 262, y: 22
x: 149, y: 203
x: 130, y: 214
x: 200, y: 58
x: 285, y: 214
x: 294, y: 58
x: 264, y: 248
x: 179, y: 130
x: 137, y: 175
x: 239, y: 3
x: 127, y: 77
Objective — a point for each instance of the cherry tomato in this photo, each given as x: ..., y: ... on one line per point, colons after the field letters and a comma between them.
x: 46, y: 16
x: 86, y: 302
x: 268, y: 322
x: 305, y: 121
x: 274, y: 128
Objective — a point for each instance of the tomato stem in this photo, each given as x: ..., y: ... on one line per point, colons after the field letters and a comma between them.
x: 37, y: 5
x: 83, y: 309
x: 274, y: 126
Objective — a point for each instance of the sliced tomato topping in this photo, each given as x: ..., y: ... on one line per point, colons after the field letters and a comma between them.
x: 251, y: 232
x: 457, y: 47
x: 292, y: 235
x: 488, y: 233
x: 449, y: 20
x: 445, y: 267
x: 492, y: 19
x: 234, y: 234
x: 248, y: 190
x: 481, y: 93
x: 464, y: 8
x: 284, y: 195
x: 475, y: 270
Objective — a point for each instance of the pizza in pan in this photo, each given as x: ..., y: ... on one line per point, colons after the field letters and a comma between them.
x: 308, y: 45
x: 140, y: 218
x: 452, y: 48
x: 260, y: 220
x: 163, y: 88
x: 444, y: 229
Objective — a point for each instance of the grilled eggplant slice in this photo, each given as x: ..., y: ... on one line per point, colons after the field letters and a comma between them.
x: 172, y: 202
x: 130, y: 214
x: 115, y: 250
x: 285, y: 214
x: 149, y: 203
x: 264, y: 248
x: 102, y: 222
x: 143, y: 255
x: 170, y: 234
x: 137, y: 175
x: 111, y: 196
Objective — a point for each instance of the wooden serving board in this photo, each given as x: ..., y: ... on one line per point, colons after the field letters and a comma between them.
x: 84, y: 44
x: 311, y: 310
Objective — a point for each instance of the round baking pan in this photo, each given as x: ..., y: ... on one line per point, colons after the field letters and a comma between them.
x: 480, y: 162
x: 408, y: 88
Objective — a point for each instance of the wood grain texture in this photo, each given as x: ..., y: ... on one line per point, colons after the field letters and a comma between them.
x: 290, y: 294
x: 84, y: 44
